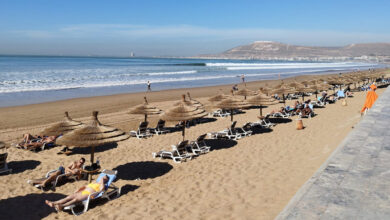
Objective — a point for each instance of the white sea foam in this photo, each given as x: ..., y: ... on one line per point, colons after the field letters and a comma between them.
x: 243, y: 66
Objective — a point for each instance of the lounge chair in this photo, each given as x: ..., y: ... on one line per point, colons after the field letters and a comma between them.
x: 178, y: 153
x: 59, y: 177
x: 230, y: 133
x: 280, y: 115
x: 264, y: 122
x: 159, y: 128
x: 199, y: 146
x: 142, y: 131
x: 245, y: 130
x: 220, y: 113
x: 102, y: 194
x: 3, y: 163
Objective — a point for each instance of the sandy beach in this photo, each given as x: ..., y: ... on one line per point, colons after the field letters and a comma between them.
x: 252, y: 178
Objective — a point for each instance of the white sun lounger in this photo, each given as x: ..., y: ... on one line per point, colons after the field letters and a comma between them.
x: 102, y: 194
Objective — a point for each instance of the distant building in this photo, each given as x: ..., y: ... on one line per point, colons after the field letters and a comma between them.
x: 132, y: 54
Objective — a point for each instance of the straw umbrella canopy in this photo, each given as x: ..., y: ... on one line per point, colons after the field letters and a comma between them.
x: 93, y: 135
x: 218, y: 98
x: 231, y: 104
x: 145, y: 109
x: 190, y: 101
x: 183, y: 112
x: 265, y: 90
x: 193, y: 100
x: 2, y: 145
x: 262, y: 100
x: 282, y: 91
x: 295, y: 85
x: 303, y: 90
x: 245, y: 92
x: 65, y: 126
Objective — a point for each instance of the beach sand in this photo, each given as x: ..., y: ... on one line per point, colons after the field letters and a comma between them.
x: 252, y: 178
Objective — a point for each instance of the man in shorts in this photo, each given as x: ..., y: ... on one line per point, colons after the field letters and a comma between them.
x: 73, y: 169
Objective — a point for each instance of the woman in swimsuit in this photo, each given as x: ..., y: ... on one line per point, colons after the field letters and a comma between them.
x: 79, y: 195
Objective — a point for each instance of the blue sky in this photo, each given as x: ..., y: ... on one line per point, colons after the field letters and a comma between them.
x: 182, y: 28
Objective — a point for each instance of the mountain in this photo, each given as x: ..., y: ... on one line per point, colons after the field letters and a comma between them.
x: 279, y: 51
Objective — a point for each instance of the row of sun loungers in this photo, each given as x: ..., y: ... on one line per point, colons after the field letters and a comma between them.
x: 144, y: 132
x: 185, y: 150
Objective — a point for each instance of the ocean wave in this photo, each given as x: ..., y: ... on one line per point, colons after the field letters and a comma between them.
x: 238, y: 66
x: 102, y: 84
x: 90, y: 77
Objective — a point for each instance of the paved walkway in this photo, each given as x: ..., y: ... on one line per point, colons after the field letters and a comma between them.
x: 354, y: 183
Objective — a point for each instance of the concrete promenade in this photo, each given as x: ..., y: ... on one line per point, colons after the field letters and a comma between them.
x: 354, y: 183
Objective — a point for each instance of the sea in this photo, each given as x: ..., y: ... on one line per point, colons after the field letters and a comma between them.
x: 36, y: 79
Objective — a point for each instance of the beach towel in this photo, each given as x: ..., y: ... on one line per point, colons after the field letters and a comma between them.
x: 340, y: 93
x: 370, y: 100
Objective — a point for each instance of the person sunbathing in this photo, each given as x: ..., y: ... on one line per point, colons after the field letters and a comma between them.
x: 79, y: 195
x: 32, y: 142
x: 306, y: 111
x: 73, y: 169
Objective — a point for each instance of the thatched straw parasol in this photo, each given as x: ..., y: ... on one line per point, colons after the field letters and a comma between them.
x: 2, y: 145
x: 231, y: 104
x: 67, y: 125
x: 183, y: 112
x: 194, y: 102
x: 295, y: 85
x: 245, y: 92
x: 218, y: 98
x: 145, y: 109
x: 282, y: 91
x: 92, y: 135
x: 303, y: 90
x: 262, y: 100
x: 265, y: 90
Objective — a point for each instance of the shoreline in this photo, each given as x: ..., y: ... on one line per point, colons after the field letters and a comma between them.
x: 31, y: 114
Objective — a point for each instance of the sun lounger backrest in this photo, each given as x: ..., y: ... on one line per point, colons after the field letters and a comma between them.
x: 233, y: 125
x: 247, y: 126
x: 3, y: 159
x: 111, y: 177
x: 181, y: 147
x: 143, y: 126
x: 160, y: 124
x: 201, y: 138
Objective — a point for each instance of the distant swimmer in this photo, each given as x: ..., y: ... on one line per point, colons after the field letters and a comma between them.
x: 148, y: 84
x: 243, y: 79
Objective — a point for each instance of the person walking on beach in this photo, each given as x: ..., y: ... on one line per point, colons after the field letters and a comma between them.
x: 148, y: 84
x: 243, y: 78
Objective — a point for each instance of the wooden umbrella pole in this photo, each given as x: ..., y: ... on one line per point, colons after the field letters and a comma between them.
x: 303, y: 96
x: 184, y: 129
x: 92, y: 154
x: 231, y: 114
x: 284, y: 100
x: 146, y: 117
x: 261, y: 110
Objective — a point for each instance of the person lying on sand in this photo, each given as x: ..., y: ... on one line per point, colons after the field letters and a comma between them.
x: 73, y: 169
x: 32, y: 142
x: 79, y: 195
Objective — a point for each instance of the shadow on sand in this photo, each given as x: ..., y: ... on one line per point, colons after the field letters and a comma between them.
x: 218, y: 144
x: 142, y: 170
x: 30, y: 206
x: 280, y: 120
x: 87, y: 150
x: 23, y: 165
